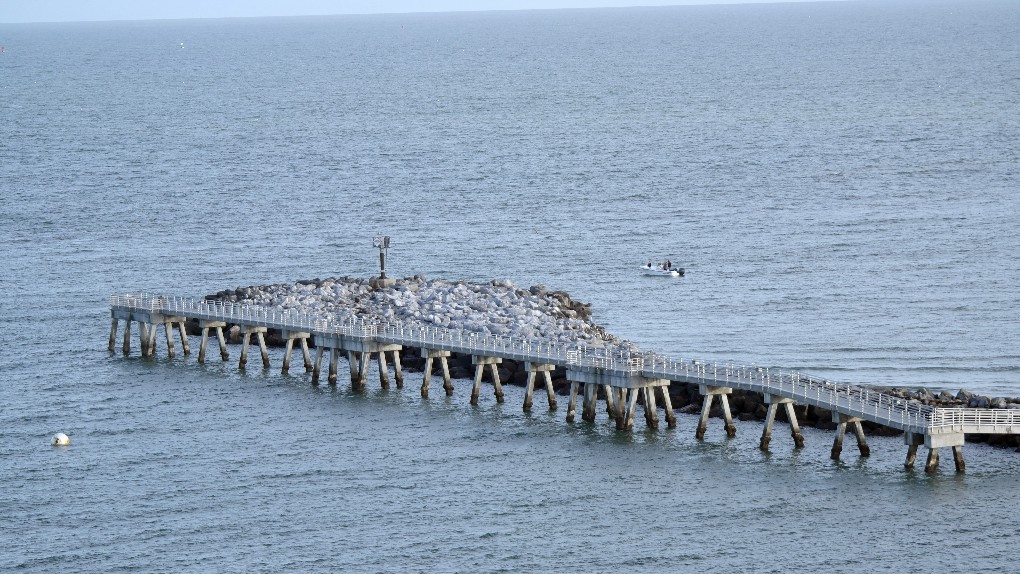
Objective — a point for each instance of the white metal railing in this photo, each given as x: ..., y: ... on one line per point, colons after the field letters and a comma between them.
x: 840, y: 397
x: 974, y: 418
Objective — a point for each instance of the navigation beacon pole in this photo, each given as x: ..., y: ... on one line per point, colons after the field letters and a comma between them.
x: 363, y: 357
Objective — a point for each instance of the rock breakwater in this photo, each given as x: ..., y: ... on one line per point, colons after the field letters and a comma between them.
x: 495, y: 308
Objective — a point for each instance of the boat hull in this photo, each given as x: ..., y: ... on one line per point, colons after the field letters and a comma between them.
x: 662, y: 272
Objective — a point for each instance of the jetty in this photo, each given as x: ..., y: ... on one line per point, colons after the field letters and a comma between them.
x: 619, y: 378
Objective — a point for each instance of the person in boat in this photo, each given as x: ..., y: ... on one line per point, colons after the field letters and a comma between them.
x: 669, y: 265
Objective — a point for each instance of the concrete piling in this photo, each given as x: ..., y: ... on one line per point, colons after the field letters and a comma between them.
x: 143, y: 338
x: 126, y: 347
x: 430, y: 356
x: 168, y: 329
x: 291, y: 336
x: 610, y: 400
x: 218, y: 326
x: 533, y: 370
x: 774, y: 402
x: 837, y: 444
x: 113, y: 334
x: 480, y: 363
x: 862, y: 441
x: 628, y: 400
x: 667, y: 405
x: 651, y: 411
x: 958, y: 458
x: 334, y: 359
x: 363, y: 359
x: 710, y: 392
x: 912, y: 440
x: 398, y: 373
x: 184, y: 336
x: 149, y: 349
x: 384, y: 373
x: 932, y: 463
x: 260, y: 335
x: 317, y: 366
x: 572, y: 404
x: 588, y: 404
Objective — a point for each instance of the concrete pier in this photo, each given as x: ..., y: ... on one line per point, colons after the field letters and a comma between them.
x: 710, y: 392
x: 302, y: 337
x: 443, y: 358
x: 623, y: 377
x: 588, y: 402
x: 169, y: 323
x: 842, y: 421
x: 533, y: 370
x: 935, y: 441
x: 774, y: 402
x: 218, y: 327
x: 621, y: 390
x: 260, y: 335
x: 480, y: 363
x: 958, y: 458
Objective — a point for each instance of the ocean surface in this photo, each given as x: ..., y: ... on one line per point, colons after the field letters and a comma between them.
x: 840, y: 180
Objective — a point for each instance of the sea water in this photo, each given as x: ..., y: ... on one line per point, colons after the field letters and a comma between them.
x: 839, y: 180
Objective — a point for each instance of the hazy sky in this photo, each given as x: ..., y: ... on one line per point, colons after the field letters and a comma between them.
x: 78, y: 10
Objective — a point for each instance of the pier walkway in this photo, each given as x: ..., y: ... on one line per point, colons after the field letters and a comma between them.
x: 622, y: 378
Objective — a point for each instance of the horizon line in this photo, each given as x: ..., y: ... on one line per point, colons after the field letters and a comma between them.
x: 282, y: 13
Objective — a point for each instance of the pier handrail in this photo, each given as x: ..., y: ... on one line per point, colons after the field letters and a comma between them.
x: 961, y: 418
x: 851, y: 400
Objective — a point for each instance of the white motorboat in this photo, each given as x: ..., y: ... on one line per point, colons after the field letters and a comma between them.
x: 656, y: 270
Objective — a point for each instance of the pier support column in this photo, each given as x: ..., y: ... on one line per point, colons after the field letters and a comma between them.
x: 150, y: 346
x: 709, y: 393
x: 359, y: 369
x: 774, y: 402
x: 126, y: 348
x: 398, y: 371
x: 480, y: 363
x: 113, y: 334
x: 958, y: 458
x: 334, y: 358
x: 572, y: 404
x: 384, y: 372
x: 591, y: 393
x: 667, y: 404
x: 218, y: 326
x: 610, y: 400
x: 354, y: 366
x: 317, y: 367
x: 842, y: 421
x: 430, y: 356
x: 291, y: 336
x: 651, y: 411
x: 932, y: 464
x: 143, y: 338
x: 260, y: 334
x: 934, y: 442
x: 912, y: 440
x: 153, y: 327
x: 626, y: 405
x: 182, y: 328
x: 168, y: 329
x: 533, y: 370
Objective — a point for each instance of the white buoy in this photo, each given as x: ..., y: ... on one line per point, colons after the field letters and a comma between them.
x: 61, y: 439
